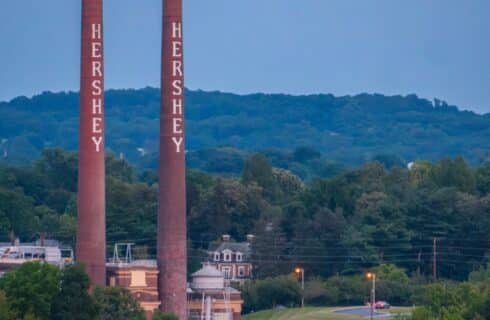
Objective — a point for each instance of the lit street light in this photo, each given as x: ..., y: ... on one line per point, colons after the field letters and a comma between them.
x: 372, y: 276
x: 300, y: 271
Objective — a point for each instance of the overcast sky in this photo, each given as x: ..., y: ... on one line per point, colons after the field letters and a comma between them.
x: 434, y: 48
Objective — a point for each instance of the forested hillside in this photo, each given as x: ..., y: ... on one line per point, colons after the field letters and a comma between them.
x: 348, y: 130
x: 357, y: 219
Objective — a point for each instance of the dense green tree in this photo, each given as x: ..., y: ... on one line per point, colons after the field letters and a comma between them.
x: 31, y: 289
x: 5, y: 312
x: 420, y: 173
x: 222, y: 206
x: 119, y: 168
x: 271, y: 292
x: 393, y: 284
x: 197, y: 183
x: 389, y: 161
x: 16, y: 214
x: 60, y: 169
x: 350, y: 129
x: 131, y: 211
x: 258, y: 170
x: 351, y: 290
x: 382, y: 220
x: 269, y: 249
x: 480, y: 275
x: 331, y: 225
x: 483, y: 178
x: 67, y: 230
x: 221, y: 160
x: 73, y: 301
x: 454, y: 173
x: 288, y: 184
x: 116, y: 303
x: 164, y: 316
x: 316, y: 293
x: 450, y: 301
x: 304, y: 154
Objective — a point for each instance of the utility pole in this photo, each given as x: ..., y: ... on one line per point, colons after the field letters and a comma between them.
x: 419, y: 259
x: 372, y: 276
x: 434, y: 259
x: 302, y: 288
x: 301, y: 272
x: 373, y: 302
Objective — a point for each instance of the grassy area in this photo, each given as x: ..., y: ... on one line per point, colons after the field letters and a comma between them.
x: 400, y: 310
x: 309, y: 314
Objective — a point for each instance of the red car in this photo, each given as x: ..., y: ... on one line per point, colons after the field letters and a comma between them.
x: 382, y: 305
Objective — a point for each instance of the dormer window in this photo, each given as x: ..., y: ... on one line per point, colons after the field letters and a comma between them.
x: 239, y: 256
x: 227, y: 255
x: 216, y: 256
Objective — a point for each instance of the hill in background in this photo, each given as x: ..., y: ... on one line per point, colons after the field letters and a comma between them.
x: 223, y: 128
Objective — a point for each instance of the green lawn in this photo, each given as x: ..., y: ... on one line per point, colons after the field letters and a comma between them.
x: 308, y: 314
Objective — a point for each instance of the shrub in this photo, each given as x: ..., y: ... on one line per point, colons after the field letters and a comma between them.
x: 271, y: 292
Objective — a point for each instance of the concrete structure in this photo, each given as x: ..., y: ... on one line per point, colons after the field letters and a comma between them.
x: 171, y: 233
x: 232, y: 259
x: 211, y: 299
x: 140, y: 277
x: 91, y: 246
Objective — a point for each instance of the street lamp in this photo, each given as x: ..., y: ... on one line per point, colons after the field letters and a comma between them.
x: 300, y: 271
x: 372, y: 276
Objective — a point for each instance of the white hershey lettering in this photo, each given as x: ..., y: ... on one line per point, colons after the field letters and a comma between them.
x: 177, y: 87
x: 97, y: 91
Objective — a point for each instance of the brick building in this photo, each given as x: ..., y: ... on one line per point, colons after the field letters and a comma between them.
x: 232, y: 258
x: 140, y: 277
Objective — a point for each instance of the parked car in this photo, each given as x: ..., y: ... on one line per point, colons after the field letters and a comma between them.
x: 382, y: 305
x: 379, y: 305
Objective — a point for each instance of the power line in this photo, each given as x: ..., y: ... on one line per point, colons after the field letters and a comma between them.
x: 291, y: 245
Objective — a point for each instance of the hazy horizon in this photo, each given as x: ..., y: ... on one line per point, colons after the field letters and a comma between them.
x: 252, y: 93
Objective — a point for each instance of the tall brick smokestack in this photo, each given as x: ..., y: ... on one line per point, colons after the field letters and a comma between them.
x: 90, y: 247
x: 171, y: 239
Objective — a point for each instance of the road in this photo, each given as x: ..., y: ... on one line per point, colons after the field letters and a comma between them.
x: 363, y: 311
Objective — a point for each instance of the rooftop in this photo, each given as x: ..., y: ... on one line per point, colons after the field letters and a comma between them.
x: 208, y: 271
x: 148, y: 263
x: 243, y: 247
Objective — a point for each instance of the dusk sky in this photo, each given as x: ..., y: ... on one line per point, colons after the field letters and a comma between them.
x: 433, y: 48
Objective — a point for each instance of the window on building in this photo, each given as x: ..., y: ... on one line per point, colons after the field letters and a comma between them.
x: 138, y: 278
x: 227, y: 272
x: 216, y: 256
x: 239, y: 256
x: 241, y: 271
x: 227, y: 255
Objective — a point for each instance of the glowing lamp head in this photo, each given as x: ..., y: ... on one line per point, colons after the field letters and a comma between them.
x: 369, y: 275
x: 297, y: 270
